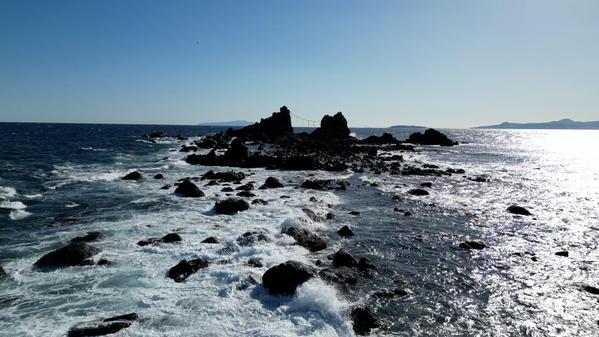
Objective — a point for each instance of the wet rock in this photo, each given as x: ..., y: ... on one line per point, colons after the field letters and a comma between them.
x: 271, y: 182
x: 103, y: 327
x: 472, y: 245
x: 89, y: 237
x: 418, y: 192
x: 259, y: 202
x: 104, y: 262
x: 188, y: 189
x: 343, y: 258
x: 431, y: 137
x: 334, y: 127
x: 514, y: 209
x: 245, y: 187
x: 563, y: 253
x: 211, y: 239
x: 284, y: 278
x: 426, y: 184
x: 165, y: 187
x: 255, y: 262
x: 231, y: 206
x: 591, y: 290
x: 311, y: 215
x: 330, y: 216
x: 306, y: 239
x: 185, y: 268
x: 340, y: 275
x: 246, y: 194
x: 3, y: 273
x: 168, y: 238
x: 251, y: 238
x: 315, y: 184
x: 386, y: 138
x: 229, y: 176
x: 480, y: 178
x: 312, y: 199
x: 363, y: 320
x: 133, y: 176
x: 71, y: 255
x: 159, y: 176
x: 354, y: 213
x: 236, y: 154
x: 364, y: 264
x: 345, y: 231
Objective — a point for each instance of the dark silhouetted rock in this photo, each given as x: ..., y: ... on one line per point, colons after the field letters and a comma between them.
x: 251, y: 238
x: 255, y: 262
x: 227, y: 189
x: 89, y: 237
x: 343, y: 258
x: 514, y: 209
x: 277, y: 126
x: 427, y: 184
x: 332, y: 128
x: 354, y: 213
x: 386, y: 138
x: 211, y: 239
x: 284, y: 278
x: 330, y: 216
x: 71, y: 255
x: 245, y: 187
x: 103, y: 327
x: 133, y: 176
x: 224, y: 176
x: 271, y: 182
x: 591, y: 290
x: 185, y: 268
x: 236, y: 154
x: 188, y: 189
x: 364, y: 264
x: 418, y: 192
x: 363, y: 320
x: 169, y: 238
x: 165, y: 187
x: 104, y: 262
x: 159, y: 176
x: 231, y: 206
x: 345, y: 231
x: 340, y: 275
x: 431, y: 137
x: 563, y: 253
x: 306, y: 239
x: 246, y: 194
x: 316, y: 184
x: 472, y: 245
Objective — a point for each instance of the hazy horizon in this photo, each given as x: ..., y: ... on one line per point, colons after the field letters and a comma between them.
x: 438, y: 64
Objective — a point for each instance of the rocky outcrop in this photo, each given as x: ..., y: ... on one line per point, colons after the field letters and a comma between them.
x: 73, y: 254
x: 306, y: 239
x: 185, y: 268
x: 187, y: 189
x: 231, y: 206
x: 386, y: 138
x: 89, y: 237
x: 334, y: 127
x: 136, y: 176
x: 514, y: 209
x: 344, y: 259
x: 103, y: 327
x: 226, y: 176
x: 278, y: 125
x: 271, y: 182
x: 344, y: 276
x: 430, y: 137
x: 169, y: 238
x: 284, y: 278
x: 363, y: 320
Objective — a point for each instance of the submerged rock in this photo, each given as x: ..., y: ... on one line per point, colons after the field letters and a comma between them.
x: 71, y: 255
x: 133, y: 176
x: 231, y: 206
x: 341, y: 275
x: 363, y: 320
x: 103, y: 327
x: 185, y: 268
x: 284, y: 278
x: 514, y: 209
x: 272, y: 182
x: 418, y: 192
x: 472, y: 245
x: 431, y: 137
x: 426, y: 184
x: 159, y: 176
x: 345, y: 231
x: 246, y: 194
x: 188, y: 189
x: 306, y: 239
x: 168, y: 238
x: 89, y: 237
x: 259, y: 202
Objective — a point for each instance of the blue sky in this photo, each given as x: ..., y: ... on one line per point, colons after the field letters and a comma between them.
x: 436, y: 63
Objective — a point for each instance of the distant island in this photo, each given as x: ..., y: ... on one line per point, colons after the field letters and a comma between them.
x: 229, y: 123
x: 407, y: 127
x: 561, y: 124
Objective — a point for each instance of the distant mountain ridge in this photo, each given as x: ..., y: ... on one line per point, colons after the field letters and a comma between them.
x: 561, y: 124
x: 407, y: 126
x: 228, y: 123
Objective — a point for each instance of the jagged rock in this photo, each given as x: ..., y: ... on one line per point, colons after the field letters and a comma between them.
x: 345, y: 231
x: 159, y: 176
x: 418, y: 192
x: 231, y: 206
x: 472, y: 245
x: 343, y: 258
x: 133, y: 176
x: 340, y: 275
x: 306, y: 239
x: 255, y: 262
x: 251, y: 238
x: 224, y: 176
x: 185, y: 268
x: 284, y: 278
x: 271, y: 182
x: 332, y: 128
x: 89, y: 237
x: 278, y: 125
x: 188, y: 189
x: 103, y: 327
x: 431, y: 137
x: 363, y: 320
x: 211, y: 239
x: 386, y: 138
x: 514, y: 209
x: 71, y: 255
x: 168, y: 238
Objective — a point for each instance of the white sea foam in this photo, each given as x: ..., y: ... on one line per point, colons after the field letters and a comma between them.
x: 33, y: 196
x: 12, y: 205
x: 7, y: 192
x: 18, y: 214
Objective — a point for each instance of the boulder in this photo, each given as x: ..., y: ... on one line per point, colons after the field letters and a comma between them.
x: 211, y: 239
x: 344, y: 259
x: 426, y: 184
x: 315, y: 184
x: 334, y: 127
x: 187, y: 189
x: 345, y: 231
x: 133, y: 176
x: 418, y: 192
x: 224, y: 176
x: 306, y: 239
x: 340, y: 275
x: 71, y: 255
x: 245, y: 187
x: 255, y: 262
x: 168, y: 238
x: 430, y: 137
x: 284, y: 278
x: 514, y: 209
x: 103, y: 327
x: 251, y: 238
x: 231, y: 206
x: 159, y: 176
x: 185, y: 268
x: 363, y: 320
x: 271, y: 182
x: 386, y: 138
x: 89, y: 237
x: 246, y: 194
x: 472, y: 245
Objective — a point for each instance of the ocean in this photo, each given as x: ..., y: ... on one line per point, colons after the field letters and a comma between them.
x: 59, y: 181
